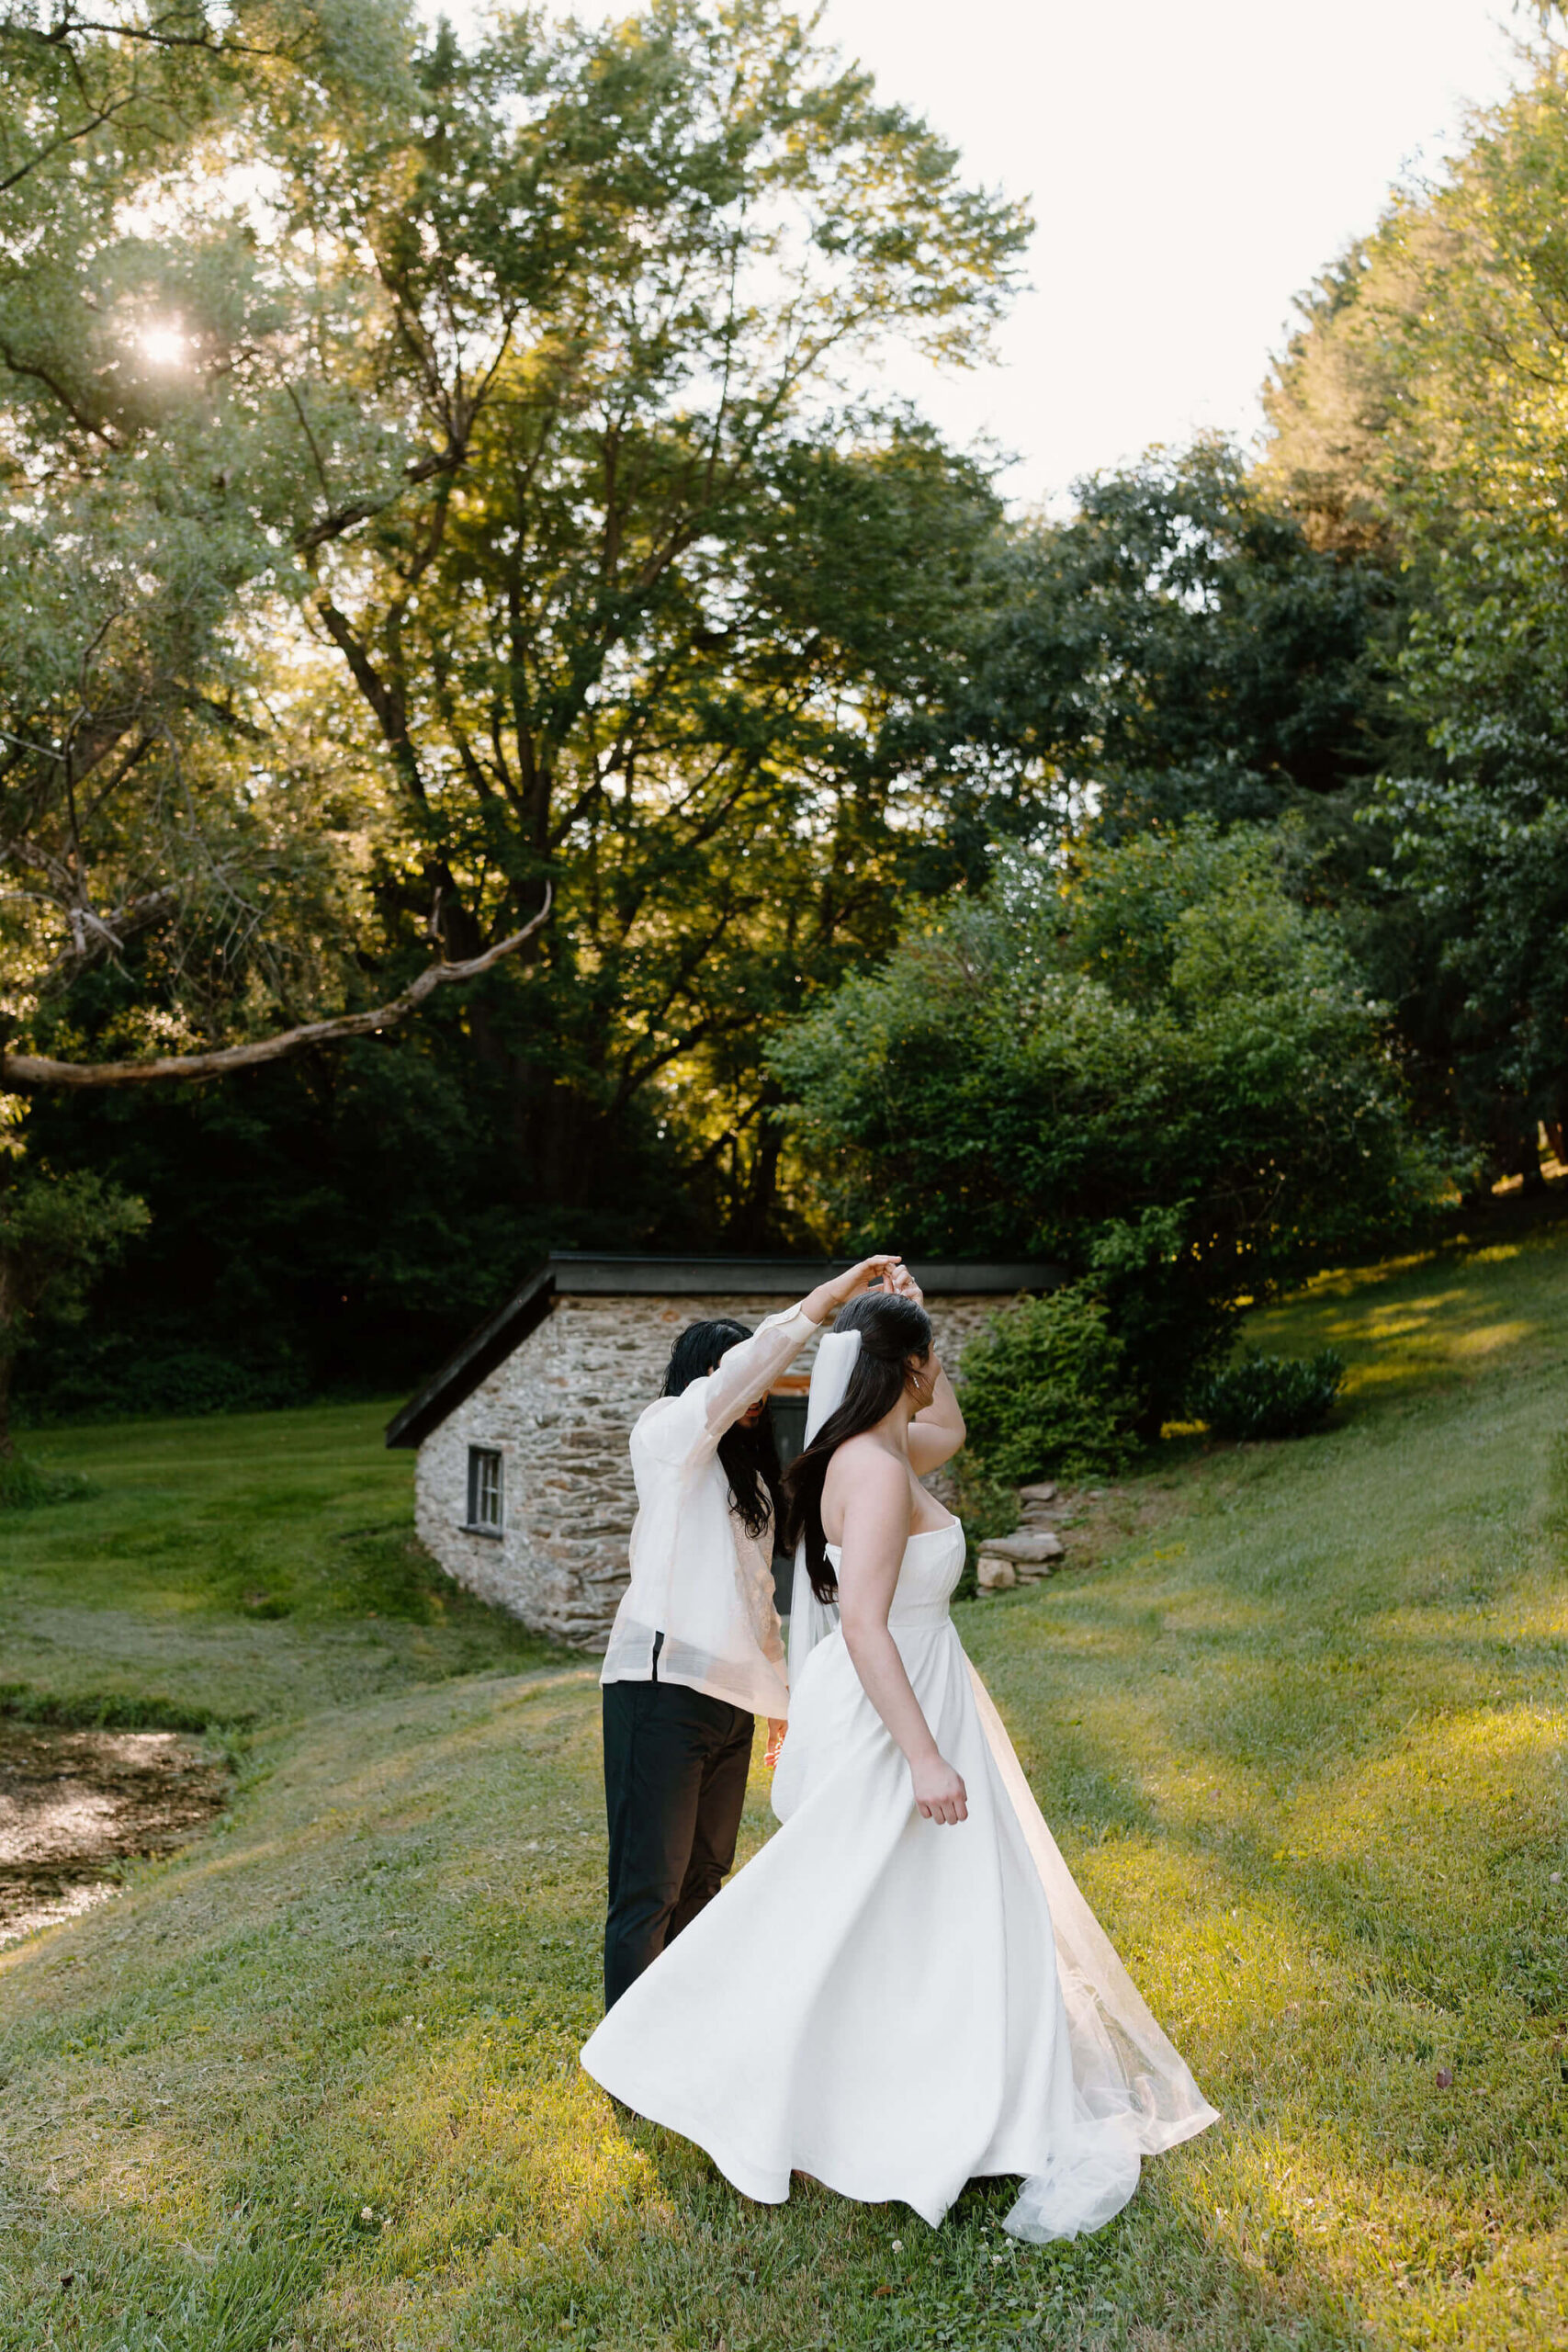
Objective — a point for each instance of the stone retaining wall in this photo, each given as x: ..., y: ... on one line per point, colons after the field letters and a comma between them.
x: 559, y: 1410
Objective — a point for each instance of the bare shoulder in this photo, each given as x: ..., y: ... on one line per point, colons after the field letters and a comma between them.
x: 864, y: 1471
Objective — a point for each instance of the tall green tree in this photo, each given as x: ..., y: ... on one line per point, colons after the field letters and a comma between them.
x: 1177, y: 646
x: 1147, y: 1064
x: 180, y: 870
x: 144, y: 797
x: 1422, y: 406
x: 646, y: 625
x: 56, y: 1235
x: 481, y: 412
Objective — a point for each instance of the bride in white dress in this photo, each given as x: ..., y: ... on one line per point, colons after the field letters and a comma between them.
x: 904, y: 1989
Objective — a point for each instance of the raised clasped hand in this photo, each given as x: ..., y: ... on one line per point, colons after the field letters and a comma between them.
x: 828, y: 1297
x: 901, y: 1283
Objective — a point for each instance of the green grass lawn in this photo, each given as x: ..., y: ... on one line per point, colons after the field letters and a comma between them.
x: 1300, y: 1732
x: 233, y: 1570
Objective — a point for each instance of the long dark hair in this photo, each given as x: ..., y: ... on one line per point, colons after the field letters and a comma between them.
x: 750, y: 1457
x: 893, y: 1331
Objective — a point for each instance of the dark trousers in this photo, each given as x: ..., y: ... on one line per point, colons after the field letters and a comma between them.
x: 675, y: 1767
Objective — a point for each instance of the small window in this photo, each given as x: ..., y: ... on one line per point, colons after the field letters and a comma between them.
x: 484, y: 1489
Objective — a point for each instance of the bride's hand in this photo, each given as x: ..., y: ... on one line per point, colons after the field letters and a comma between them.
x: 940, y: 1794
x: 828, y: 1297
x: 902, y: 1284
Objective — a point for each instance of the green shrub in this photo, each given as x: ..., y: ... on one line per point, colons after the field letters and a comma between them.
x: 24, y: 1486
x: 1264, y: 1396
x: 1044, y: 1393
x: 1146, y: 1064
x: 112, y: 1378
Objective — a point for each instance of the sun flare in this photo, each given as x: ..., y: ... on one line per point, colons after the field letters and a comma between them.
x: 163, y: 342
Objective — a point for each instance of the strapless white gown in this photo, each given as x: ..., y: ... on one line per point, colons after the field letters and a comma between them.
x: 894, y: 2007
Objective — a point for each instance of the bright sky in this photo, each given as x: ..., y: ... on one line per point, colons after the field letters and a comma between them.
x: 1190, y: 168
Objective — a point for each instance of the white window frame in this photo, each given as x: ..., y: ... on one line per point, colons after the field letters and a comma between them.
x: 486, y: 1497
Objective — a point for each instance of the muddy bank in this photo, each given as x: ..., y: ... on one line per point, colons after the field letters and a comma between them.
x: 75, y: 1804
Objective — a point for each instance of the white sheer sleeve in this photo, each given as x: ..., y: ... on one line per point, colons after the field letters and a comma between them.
x: 684, y: 1431
x: 748, y: 1370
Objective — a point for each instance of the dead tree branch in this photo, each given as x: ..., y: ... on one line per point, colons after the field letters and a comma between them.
x: 39, y: 1070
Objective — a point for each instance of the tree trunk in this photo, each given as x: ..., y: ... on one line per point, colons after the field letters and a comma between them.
x: 751, y: 1216
x: 8, y: 1337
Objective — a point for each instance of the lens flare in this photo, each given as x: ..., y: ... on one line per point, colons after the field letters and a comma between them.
x: 163, y: 342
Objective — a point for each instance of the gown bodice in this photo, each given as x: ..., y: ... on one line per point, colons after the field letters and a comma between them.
x: 931, y: 1566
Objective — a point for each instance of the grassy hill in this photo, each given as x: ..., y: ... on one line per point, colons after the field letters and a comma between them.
x: 1299, y: 1731
x: 232, y: 1570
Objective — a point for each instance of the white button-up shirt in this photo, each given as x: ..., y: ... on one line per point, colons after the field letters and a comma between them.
x: 697, y: 1577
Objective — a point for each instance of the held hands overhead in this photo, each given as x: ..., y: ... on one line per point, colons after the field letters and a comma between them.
x: 901, y: 1283
x: 825, y: 1301
x: 883, y: 1273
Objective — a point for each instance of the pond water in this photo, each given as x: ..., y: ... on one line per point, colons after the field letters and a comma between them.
x: 76, y: 1804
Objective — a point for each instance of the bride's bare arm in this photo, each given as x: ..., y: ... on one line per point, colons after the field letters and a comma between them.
x: 937, y: 1430
x: 876, y: 1529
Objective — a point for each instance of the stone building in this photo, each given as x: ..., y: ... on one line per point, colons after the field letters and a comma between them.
x: 524, y: 1489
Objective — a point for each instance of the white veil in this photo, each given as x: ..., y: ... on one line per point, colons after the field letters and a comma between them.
x: 811, y: 1619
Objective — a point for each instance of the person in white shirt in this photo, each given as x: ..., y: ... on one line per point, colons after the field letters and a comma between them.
x: 697, y: 1651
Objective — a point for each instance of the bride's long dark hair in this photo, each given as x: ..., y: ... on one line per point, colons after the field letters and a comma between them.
x: 894, y: 1333
x: 748, y: 1457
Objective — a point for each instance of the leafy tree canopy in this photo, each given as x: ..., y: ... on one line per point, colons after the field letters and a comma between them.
x: 1423, y: 406
x: 1179, y: 647
x: 1148, y: 1065
x: 432, y: 474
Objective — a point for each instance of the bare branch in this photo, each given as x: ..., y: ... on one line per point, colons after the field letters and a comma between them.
x: 84, y: 130
x: 39, y: 1070
x: 52, y: 383
x: 361, y: 510
x: 94, y: 935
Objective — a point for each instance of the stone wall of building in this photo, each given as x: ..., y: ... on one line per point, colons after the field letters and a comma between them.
x: 560, y: 1411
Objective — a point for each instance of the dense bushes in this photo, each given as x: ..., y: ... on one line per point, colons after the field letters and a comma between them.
x: 1043, y: 1392
x: 1151, y: 1065
x: 1263, y: 1397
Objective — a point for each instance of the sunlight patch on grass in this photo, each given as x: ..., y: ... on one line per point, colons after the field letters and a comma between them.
x: 1475, y: 1794
x: 1489, y: 1337
x: 480, y: 2146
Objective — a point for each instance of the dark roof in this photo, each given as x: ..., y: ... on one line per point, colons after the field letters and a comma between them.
x: 566, y: 1270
